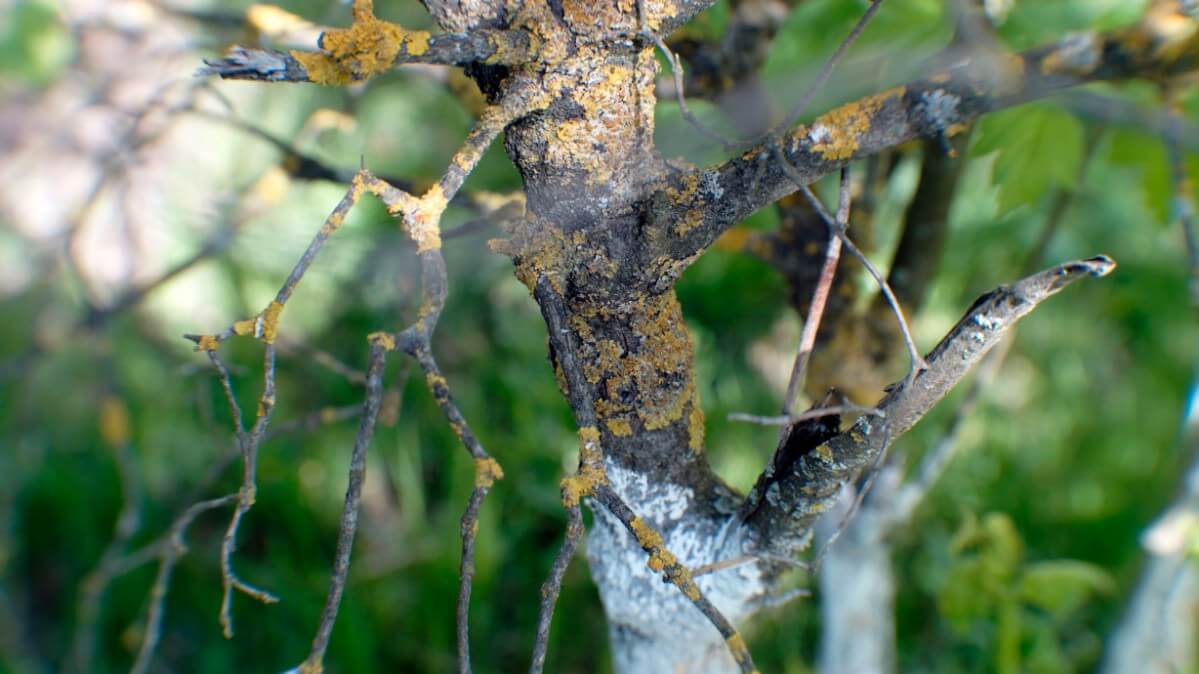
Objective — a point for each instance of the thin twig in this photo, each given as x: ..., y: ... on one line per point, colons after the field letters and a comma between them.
x: 807, y: 338
x: 785, y: 420
x: 110, y: 564
x: 349, y: 514
x: 171, y: 549
x: 552, y: 586
x: 826, y: 70
x: 917, y: 362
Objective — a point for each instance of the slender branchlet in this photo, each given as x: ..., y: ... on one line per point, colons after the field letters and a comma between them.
x: 782, y: 519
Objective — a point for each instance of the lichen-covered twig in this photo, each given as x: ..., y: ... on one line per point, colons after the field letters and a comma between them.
x: 371, y: 46
x: 782, y: 521
x: 935, y: 107
x: 421, y: 217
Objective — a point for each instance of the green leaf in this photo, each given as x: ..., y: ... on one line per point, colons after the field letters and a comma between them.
x: 1061, y: 586
x: 34, y: 45
x: 1038, y: 146
x: 1146, y: 157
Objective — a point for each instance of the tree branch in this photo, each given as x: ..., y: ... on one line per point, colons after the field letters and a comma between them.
x: 716, y: 198
x: 497, y: 47
x: 780, y: 523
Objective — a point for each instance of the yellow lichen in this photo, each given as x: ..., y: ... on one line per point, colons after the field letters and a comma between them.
x: 695, y: 426
x: 621, y: 428
x: 487, y: 471
x: 663, y: 560
x: 437, y: 384
x: 383, y: 339
x: 424, y: 222
x: 207, y: 343
x: 690, y: 220
x: 368, y: 47
x: 740, y: 651
x: 647, y: 537
x: 312, y: 668
x: 591, y: 468
x: 246, y: 327
x: 270, y: 321
x: 837, y: 134
x: 265, y: 402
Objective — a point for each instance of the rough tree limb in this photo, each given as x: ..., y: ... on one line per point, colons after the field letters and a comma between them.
x: 781, y: 518
x: 714, y: 199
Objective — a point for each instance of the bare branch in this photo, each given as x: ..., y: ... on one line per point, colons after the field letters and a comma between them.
x: 782, y: 521
x: 171, y: 548
x: 917, y: 363
x: 807, y: 338
x: 553, y: 586
x: 349, y: 514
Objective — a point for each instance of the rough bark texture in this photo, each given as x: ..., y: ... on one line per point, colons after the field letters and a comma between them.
x: 608, y: 229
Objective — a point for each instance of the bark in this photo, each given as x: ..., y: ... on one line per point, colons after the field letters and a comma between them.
x: 610, y: 226
x: 1160, y: 628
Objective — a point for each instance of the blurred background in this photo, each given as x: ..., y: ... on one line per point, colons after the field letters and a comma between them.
x: 139, y: 202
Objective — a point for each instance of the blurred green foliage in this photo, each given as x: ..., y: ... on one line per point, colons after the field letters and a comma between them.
x: 1020, y: 560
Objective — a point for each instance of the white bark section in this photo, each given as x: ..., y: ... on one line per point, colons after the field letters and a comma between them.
x: 653, y: 627
x: 1160, y: 630
x: 857, y: 585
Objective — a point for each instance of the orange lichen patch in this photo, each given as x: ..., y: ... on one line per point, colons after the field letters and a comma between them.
x: 621, y: 428
x: 590, y: 16
x: 695, y: 425
x: 737, y: 647
x: 649, y: 375
x: 246, y: 327
x: 663, y: 560
x: 114, y: 421
x: 837, y: 133
x: 824, y: 453
x: 537, y: 248
x: 591, y: 468
x: 690, y: 220
x: 609, y: 352
x: 270, y: 321
x: 383, y: 339
x: 1167, y: 29
x: 368, y: 47
x: 437, y: 384
x: 487, y: 471
x: 207, y: 343
x: 424, y: 223
x: 613, y: 127
x: 265, y: 403
x: 508, y: 51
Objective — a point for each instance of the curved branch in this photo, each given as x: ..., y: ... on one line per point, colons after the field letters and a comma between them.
x: 716, y: 198
x: 781, y: 518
